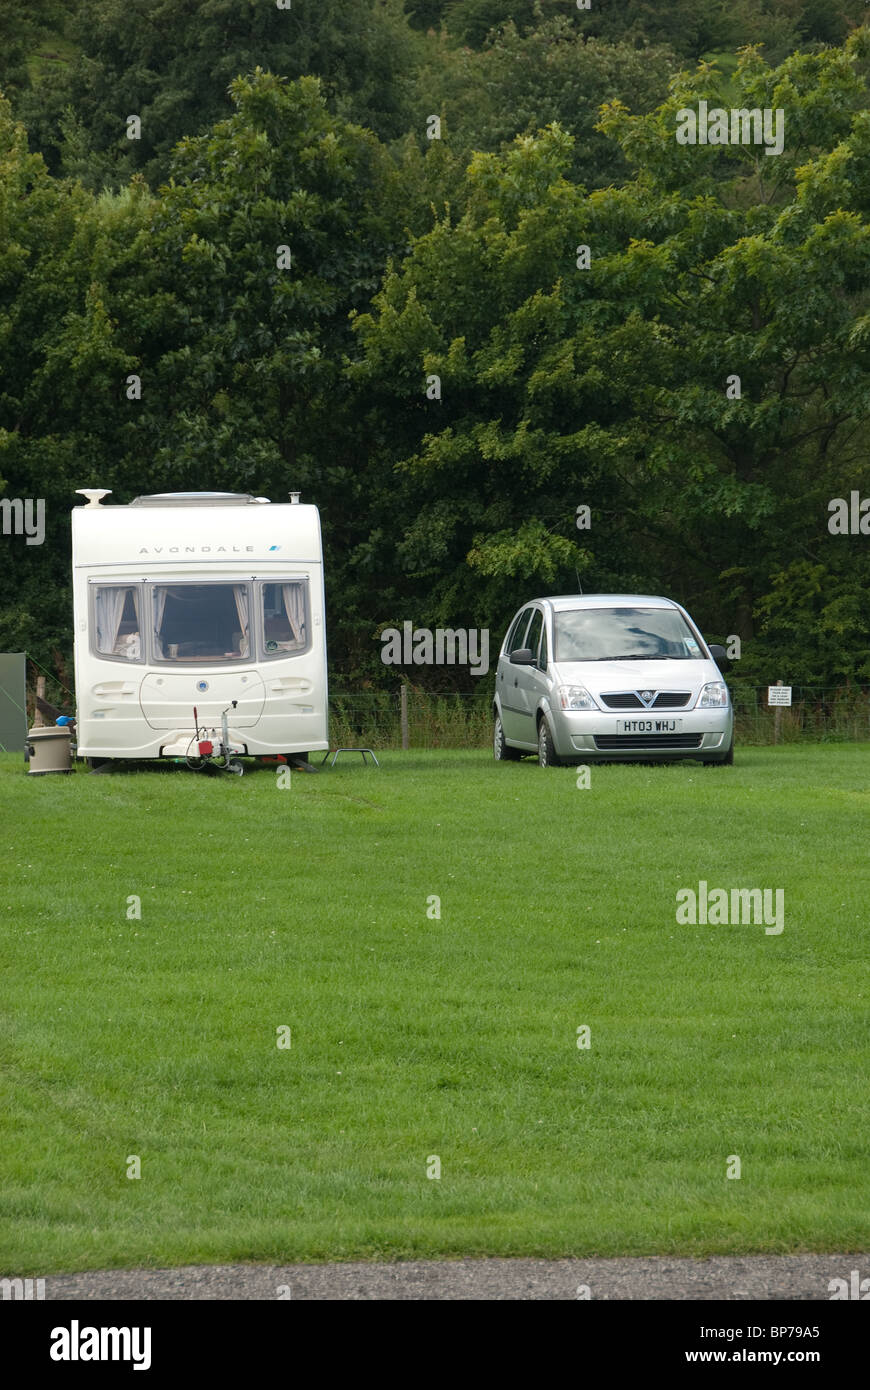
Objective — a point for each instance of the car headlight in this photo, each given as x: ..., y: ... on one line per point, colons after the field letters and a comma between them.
x: 713, y: 696
x: 576, y: 697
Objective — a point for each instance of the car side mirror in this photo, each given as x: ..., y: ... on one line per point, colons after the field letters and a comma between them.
x: 719, y: 655
x: 523, y: 656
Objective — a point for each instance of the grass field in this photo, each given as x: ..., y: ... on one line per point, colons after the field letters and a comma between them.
x: 413, y: 1036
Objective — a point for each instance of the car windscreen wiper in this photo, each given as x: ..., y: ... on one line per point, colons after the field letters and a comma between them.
x: 641, y: 656
x: 633, y: 656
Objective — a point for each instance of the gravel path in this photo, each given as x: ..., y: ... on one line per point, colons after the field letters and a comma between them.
x: 802, y: 1277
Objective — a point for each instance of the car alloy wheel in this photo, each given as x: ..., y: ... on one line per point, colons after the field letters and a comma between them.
x: 547, y: 756
x: 501, y: 752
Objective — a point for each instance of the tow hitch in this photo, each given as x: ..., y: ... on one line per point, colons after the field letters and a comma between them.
x: 206, y: 750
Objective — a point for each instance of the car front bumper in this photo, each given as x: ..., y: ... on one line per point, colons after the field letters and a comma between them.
x: 700, y: 733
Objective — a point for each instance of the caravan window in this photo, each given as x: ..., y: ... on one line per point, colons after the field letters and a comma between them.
x: 115, y: 626
x: 201, y: 622
x: 285, y: 617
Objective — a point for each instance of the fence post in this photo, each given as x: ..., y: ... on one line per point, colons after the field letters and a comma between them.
x: 403, y: 714
x: 38, y: 720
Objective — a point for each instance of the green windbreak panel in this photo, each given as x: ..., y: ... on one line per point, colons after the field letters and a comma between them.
x: 13, y: 716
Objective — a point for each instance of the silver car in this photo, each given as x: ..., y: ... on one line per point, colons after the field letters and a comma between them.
x: 609, y: 676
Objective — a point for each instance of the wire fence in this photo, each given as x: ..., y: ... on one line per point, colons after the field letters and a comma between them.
x: 374, y: 718
x: 839, y: 715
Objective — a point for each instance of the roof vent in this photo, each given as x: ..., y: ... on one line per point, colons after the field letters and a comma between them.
x: 194, y: 499
x: 294, y: 498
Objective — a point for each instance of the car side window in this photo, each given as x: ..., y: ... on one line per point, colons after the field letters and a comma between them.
x: 543, y: 658
x: 517, y: 632
x: 533, y: 636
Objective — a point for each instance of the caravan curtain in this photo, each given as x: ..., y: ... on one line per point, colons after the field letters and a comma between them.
x: 240, y: 593
x: 294, y: 607
x: 134, y: 642
x: 159, y: 600
x: 109, y: 608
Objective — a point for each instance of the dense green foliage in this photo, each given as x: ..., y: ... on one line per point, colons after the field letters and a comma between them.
x: 520, y: 83
x: 457, y: 257
x: 239, y: 362
x: 694, y: 29
x: 691, y: 28
x: 607, y: 387
x: 172, y: 63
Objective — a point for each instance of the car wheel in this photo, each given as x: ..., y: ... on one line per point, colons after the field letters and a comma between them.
x: 547, y: 755
x: 500, y: 749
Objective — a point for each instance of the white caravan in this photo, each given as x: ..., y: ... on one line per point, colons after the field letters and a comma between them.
x: 211, y: 601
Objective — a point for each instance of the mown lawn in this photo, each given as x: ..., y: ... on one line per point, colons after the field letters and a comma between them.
x: 413, y: 1036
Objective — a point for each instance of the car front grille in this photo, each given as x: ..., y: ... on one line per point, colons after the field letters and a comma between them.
x: 665, y: 699
x: 614, y: 741
x: 622, y: 701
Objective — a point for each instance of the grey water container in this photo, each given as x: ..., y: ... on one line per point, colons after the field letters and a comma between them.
x: 48, y: 750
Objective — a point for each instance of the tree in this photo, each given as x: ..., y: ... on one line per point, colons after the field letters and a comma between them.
x: 472, y: 20
x: 61, y: 368
x: 697, y: 28
x: 615, y: 386
x: 171, y: 63
x: 691, y: 28
x: 274, y: 227
x: 226, y: 298
x: 518, y: 84
x: 21, y: 30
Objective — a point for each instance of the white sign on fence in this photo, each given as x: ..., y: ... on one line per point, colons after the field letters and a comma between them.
x: 779, y: 695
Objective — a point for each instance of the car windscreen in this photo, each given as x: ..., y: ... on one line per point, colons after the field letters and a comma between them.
x: 615, y: 634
